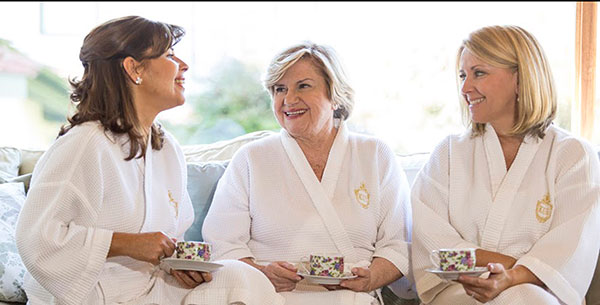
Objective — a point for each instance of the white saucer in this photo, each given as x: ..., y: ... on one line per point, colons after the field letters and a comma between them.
x: 188, y: 264
x: 325, y: 280
x: 453, y: 275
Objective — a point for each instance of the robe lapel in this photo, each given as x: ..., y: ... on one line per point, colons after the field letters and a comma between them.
x: 334, y: 162
x: 504, y: 183
x: 148, y: 186
x: 495, y: 159
x: 321, y: 194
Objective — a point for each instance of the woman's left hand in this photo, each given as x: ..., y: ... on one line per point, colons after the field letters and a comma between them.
x: 191, y: 279
x: 485, y: 290
x: 361, y: 283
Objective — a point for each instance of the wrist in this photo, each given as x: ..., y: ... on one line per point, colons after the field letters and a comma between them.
x: 373, y: 280
x: 512, y: 276
x: 520, y: 274
x: 250, y: 261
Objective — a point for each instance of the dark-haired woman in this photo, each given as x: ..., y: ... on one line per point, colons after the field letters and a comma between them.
x: 108, y: 198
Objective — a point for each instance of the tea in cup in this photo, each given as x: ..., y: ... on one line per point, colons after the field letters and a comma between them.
x: 193, y: 250
x: 331, y: 265
x: 453, y: 259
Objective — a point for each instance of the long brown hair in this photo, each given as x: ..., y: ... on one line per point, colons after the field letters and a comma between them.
x: 103, y: 93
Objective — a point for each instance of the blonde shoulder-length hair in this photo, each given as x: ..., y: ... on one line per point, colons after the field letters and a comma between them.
x: 324, y: 58
x: 514, y: 48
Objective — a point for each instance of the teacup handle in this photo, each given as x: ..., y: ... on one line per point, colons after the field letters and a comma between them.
x: 434, y: 257
x: 303, y: 261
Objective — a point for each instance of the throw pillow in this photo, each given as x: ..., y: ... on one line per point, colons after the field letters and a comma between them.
x: 12, y: 270
x: 12, y: 197
x: 26, y: 178
x: 202, y: 182
x: 10, y: 158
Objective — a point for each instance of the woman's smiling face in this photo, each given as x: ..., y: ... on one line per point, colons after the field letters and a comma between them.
x: 489, y: 91
x: 301, y: 101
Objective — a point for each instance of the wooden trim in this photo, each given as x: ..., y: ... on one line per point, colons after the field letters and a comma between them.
x: 585, y: 69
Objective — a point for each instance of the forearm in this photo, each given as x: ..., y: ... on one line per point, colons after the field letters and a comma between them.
x: 120, y: 244
x: 383, y: 272
x: 484, y: 257
x: 149, y: 246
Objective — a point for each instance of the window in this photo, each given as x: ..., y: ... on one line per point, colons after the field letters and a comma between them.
x: 400, y: 57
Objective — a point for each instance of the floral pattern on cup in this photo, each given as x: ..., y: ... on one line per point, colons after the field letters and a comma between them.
x: 194, y: 250
x: 454, y: 259
x: 324, y: 265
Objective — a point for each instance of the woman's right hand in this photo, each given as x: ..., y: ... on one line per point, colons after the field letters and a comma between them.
x: 149, y: 247
x: 190, y: 279
x: 281, y: 274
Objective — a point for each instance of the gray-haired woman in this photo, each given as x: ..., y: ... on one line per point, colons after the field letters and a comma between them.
x: 314, y: 188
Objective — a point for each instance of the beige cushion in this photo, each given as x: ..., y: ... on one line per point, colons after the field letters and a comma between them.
x: 28, y: 160
x: 222, y: 150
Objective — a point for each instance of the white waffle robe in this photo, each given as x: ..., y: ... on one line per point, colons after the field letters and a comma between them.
x: 270, y: 206
x: 543, y: 211
x: 81, y: 192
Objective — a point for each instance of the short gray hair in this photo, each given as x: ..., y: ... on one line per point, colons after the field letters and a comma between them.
x: 327, y: 63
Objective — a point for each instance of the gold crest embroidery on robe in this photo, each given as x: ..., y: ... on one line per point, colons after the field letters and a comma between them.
x: 543, y: 210
x: 175, y: 204
x: 362, y: 196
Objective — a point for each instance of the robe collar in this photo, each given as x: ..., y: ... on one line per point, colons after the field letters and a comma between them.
x: 321, y: 193
x: 335, y: 158
x: 497, y: 163
x: 505, y: 184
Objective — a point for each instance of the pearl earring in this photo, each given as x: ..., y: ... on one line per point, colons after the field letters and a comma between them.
x: 336, y: 106
x: 138, y: 81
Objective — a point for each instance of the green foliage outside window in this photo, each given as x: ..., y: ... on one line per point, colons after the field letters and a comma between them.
x: 51, y: 92
x: 233, y: 103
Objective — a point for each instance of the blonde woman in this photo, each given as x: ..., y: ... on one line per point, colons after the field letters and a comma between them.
x: 521, y: 191
x: 313, y: 188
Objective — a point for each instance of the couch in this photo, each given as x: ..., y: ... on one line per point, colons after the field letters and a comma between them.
x: 205, y: 163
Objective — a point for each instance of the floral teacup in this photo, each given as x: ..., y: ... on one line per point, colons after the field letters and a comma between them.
x: 331, y: 265
x: 193, y: 250
x: 454, y: 259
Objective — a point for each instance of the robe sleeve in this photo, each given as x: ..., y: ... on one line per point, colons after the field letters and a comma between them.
x: 230, y: 209
x: 55, y: 235
x: 431, y: 223
x: 393, y: 232
x: 574, y: 229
